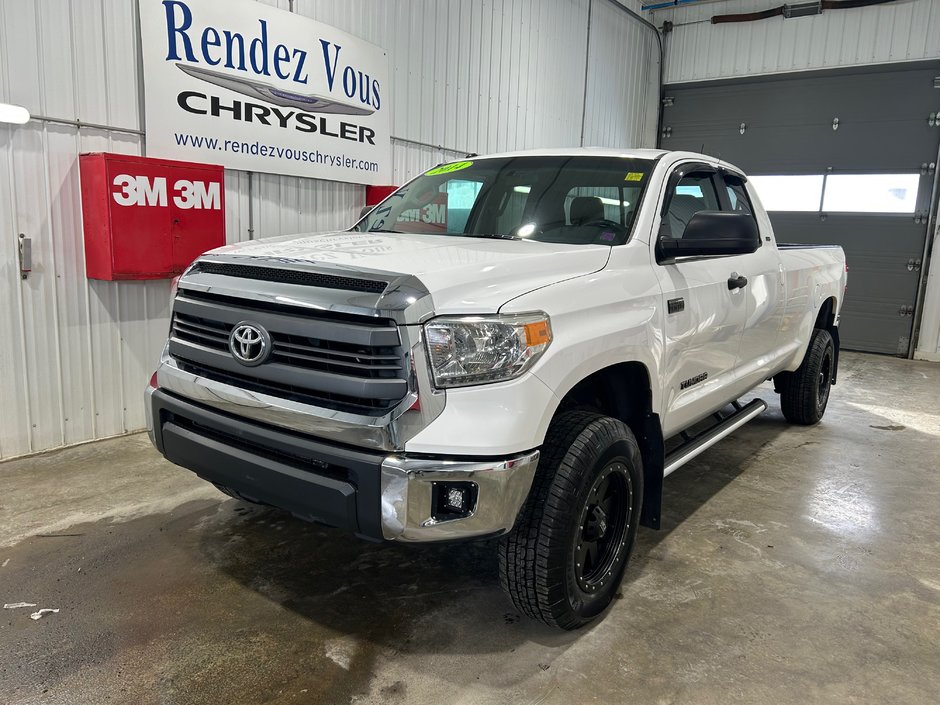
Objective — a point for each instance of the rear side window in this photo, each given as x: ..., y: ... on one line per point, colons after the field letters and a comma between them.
x: 737, y: 195
x: 695, y: 192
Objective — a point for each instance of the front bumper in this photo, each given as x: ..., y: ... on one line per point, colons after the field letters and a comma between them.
x: 373, y: 494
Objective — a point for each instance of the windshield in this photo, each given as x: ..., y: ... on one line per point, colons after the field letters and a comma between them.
x: 573, y: 200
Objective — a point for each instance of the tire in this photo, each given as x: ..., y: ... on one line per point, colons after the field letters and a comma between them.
x: 237, y: 495
x: 804, y: 393
x: 546, y: 564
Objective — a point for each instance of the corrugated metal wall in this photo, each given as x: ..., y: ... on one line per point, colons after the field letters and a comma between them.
x: 900, y: 31
x: 618, y: 112
x: 473, y: 76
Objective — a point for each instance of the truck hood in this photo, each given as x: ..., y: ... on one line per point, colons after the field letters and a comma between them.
x: 464, y: 275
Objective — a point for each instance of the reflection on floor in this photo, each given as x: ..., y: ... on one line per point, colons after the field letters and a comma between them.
x: 796, y: 565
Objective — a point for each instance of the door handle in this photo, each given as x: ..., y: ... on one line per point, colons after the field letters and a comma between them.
x: 736, y: 281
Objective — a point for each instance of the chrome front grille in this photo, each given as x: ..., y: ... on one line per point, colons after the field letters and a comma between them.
x: 205, y: 332
x: 338, y: 361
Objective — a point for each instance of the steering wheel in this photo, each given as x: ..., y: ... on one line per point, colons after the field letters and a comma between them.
x: 603, y: 223
x: 608, y: 225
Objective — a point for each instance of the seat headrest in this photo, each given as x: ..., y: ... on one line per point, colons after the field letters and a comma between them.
x: 585, y: 209
x: 684, y: 206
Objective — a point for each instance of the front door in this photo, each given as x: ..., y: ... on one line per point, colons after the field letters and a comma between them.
x: 703, y: 316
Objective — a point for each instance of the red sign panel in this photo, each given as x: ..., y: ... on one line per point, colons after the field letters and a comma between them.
x: 148, y: 218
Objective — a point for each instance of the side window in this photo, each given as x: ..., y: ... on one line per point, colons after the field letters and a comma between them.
x: 737, y: 195
x: 738, y: 199
x: 695, y: 192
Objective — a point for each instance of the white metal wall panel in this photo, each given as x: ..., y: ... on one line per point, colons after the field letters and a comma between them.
x: 902, y: 31
x: 622, y: 98
x: 473, y: 76
x: 476, y: 75
x: 409, y: 160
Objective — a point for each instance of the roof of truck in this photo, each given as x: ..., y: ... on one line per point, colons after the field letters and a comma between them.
x: 579, y: 152
x: 610, y: 152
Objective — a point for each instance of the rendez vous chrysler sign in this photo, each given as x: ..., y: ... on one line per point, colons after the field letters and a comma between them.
x: 251, y: 87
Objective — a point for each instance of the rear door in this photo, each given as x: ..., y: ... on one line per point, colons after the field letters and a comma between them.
x: 704, y: 318
x: 765, y: 293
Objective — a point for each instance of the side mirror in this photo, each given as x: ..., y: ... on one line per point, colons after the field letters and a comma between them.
x: 712, y: 233
x: 365, y: 211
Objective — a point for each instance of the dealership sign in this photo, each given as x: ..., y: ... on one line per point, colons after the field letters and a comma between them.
x: 251, y: 87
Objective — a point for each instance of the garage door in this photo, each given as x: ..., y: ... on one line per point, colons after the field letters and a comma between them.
x: 845, y: 157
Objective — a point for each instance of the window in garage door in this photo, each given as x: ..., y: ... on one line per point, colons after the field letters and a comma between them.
x: 839, y: 193
x: 870, y: 193
x: 790, y: 192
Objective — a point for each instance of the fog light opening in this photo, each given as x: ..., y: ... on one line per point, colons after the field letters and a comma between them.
x: 453, y: 500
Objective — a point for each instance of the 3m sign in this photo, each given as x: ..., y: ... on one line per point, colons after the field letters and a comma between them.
x: 144, y: 191
x: 148, y: 218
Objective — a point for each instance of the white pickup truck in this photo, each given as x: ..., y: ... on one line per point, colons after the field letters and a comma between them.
x: 520, y: 345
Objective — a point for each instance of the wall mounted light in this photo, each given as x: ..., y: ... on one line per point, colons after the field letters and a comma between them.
x: 16, y: 114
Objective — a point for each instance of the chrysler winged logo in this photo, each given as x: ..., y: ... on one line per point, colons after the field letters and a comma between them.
x: 308, y: 102
x: 249, y: 343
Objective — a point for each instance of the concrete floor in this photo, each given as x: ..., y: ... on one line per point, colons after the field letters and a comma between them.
x: 797, y: 565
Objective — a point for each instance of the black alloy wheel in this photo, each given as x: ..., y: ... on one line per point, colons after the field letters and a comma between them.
x: 602, y: 530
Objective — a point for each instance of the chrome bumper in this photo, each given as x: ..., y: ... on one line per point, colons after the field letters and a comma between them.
x: 407, y: 483
x: 392, y: 496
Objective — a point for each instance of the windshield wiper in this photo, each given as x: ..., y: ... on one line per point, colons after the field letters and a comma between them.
x: 491, y: 236
x: 380, y: 230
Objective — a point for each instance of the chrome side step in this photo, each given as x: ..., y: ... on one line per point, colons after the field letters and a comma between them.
x: 694, y: 446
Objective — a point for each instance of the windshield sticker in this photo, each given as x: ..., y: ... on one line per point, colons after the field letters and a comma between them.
x: 634, y: 176
x: 447, y: 168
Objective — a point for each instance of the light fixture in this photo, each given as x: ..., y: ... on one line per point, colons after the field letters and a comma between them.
x: 16, y: 114
x: 453, y: 500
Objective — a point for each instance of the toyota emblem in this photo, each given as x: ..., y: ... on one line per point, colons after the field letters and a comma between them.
x: 249, y: 343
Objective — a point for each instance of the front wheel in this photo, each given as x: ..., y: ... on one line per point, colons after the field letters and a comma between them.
x: 804, y: 393
x: 563, y: 561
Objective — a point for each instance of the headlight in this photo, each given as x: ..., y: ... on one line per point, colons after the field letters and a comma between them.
x: 482, y: 349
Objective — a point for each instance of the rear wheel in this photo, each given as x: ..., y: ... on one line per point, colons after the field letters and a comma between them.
x: 563, y: 561
x: 804, y: 393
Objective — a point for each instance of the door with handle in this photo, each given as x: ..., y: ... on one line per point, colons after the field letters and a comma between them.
x: 762, y: 281
x: 703, y: 314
